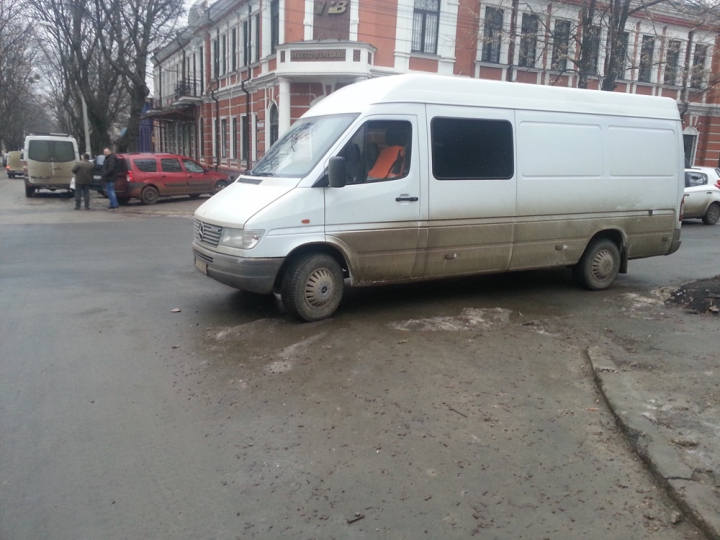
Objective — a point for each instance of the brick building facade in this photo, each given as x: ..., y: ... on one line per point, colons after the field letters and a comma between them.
x: 242, y: 71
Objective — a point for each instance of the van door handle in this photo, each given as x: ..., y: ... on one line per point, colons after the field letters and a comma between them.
x: 406, y: 198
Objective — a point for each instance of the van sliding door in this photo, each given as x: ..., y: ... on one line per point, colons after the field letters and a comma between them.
x: 472, y: 191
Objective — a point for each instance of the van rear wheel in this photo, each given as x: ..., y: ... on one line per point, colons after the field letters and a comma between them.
x: 149, y: 195
x: 312, y: 287
x: 599, y: 265
x: 29, y: 191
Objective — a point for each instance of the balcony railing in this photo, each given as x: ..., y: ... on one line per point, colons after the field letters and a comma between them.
x: 187, y: 88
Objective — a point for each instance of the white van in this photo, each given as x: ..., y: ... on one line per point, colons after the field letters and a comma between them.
x: 416, y: 177
x: 49, y: 160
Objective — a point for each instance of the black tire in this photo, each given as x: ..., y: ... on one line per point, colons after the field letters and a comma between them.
x: 599, y: 265
x: 220, y: 185
x: 29, y: 190
x: 712, y: 215
x: 312, y: 287
x: 149, y: 195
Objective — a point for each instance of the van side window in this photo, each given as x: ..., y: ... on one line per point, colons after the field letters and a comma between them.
x: 695, y: 179
x: 472, y: 149
x: 379, y: 150
x: 146, y: 165
x: 170, y: 165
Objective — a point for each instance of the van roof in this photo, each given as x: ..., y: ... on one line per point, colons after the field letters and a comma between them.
x: 466, y: 91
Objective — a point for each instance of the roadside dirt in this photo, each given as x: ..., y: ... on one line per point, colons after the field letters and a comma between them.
x: 701, y: 296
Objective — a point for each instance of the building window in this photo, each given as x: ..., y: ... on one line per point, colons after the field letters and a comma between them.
x: 471, y: 149
x: 274, y: 124
x: 246, y: 43
x: 216, y: 58
x: 646, y: 58
x: 561, y: 45
x: 528, y: 40
x: 593, y: 48
x: 698, y: 70
x: 426, y: 16
x: 256, y: 137
x: 257, y: 38
x: 201, y: 128
x: 672, y: 62
x: 223, y: 54
x: 274, y: 25
x: 622, y: 54
x: 492, y: 36
x: 202, y: 71
x: 234, y: 136
x: 245, y: 137
x: 223, y: 137
x: 689, y: 142
x: 233, y: 51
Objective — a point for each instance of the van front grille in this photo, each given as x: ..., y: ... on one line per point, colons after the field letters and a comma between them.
x: 207, y: 234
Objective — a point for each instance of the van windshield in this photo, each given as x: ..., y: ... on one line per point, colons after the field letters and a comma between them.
x: 303, y: 146
x: 58, y: 151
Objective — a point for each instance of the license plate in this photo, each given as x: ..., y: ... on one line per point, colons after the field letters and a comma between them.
x: 200, y: 265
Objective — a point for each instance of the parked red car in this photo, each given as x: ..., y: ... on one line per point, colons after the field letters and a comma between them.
x: 151, y: 176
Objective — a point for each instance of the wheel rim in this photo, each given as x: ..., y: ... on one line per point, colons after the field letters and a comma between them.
x: 319, y: 288
x: 713, y: 214
x: 150, y: 196
x: 603, y: 265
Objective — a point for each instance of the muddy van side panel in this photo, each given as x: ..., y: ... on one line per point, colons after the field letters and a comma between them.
x: 580, y: 174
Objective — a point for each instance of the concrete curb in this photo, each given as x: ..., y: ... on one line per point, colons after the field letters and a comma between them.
x: 622, y: 394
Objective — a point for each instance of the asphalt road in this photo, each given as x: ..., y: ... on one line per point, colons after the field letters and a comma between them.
x: 441, y: 410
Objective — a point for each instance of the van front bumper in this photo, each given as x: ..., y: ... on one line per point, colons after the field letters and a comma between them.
x: 252, y: 275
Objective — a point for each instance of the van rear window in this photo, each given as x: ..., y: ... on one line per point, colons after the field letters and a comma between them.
x: 471, y: 149
x: 47, y: 151
x: 146, y: 165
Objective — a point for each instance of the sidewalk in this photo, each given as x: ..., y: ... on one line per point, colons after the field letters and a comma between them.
x: 666, y: 398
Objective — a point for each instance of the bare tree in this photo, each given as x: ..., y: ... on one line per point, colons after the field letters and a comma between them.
x: 17, y: 78
x: 69, y: 37
x: 130, y: 29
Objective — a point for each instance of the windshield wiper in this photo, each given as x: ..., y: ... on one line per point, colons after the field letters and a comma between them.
x: 251, y: 173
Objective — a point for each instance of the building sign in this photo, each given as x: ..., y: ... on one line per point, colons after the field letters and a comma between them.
x: 317, y: 55
x: 332, y: 20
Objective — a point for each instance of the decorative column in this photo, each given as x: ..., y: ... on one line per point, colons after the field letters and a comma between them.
x: 284, y: 108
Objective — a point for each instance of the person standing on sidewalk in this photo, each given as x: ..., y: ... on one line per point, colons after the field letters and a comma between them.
x: 111, y: 168
x: 83, y: 177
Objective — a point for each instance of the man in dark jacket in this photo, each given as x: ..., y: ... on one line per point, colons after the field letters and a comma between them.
x: 83, y: 177
x: 109, y: 175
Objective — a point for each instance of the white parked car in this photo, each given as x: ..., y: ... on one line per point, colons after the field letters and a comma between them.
x: 702, y: 196
x: 713, y: 174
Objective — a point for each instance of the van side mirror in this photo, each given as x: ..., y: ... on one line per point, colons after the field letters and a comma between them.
x: 337, y: 172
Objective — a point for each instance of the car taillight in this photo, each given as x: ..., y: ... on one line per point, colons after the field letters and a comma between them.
x: 129, y: 176
x: 682, y: 207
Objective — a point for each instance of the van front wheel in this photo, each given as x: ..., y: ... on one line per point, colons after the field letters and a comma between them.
x: 312, y: 287
x: 599, y: 265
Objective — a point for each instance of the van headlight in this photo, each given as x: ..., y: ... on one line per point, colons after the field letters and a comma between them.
x: 240, y: 238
